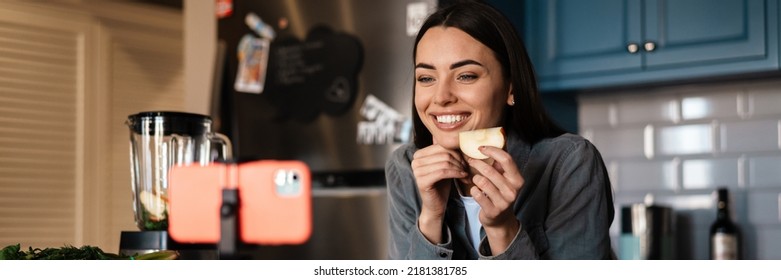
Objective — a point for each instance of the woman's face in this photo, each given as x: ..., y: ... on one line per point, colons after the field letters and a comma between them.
x: 459, y: 85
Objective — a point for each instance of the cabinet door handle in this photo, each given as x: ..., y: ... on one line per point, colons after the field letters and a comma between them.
x: 649, y: 46
x: 632, y: 47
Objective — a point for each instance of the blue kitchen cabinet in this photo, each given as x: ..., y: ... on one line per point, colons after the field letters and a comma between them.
x: 578, y: 44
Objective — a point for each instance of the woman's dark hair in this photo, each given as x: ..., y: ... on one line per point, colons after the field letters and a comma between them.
x: 527, y: 118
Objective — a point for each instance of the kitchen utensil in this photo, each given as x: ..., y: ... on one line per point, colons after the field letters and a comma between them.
x: 647, y: 232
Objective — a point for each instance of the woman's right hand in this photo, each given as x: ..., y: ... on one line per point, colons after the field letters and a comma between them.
x: 432, y: 167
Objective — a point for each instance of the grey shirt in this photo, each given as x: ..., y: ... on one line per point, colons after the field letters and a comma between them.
x: 565, y: 206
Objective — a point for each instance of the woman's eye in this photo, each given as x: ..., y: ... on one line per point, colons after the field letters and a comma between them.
x: 425, y: 79
x: 467, y: 77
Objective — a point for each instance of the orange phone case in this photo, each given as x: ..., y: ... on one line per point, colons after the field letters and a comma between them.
x: 275, y: 202
x: 195, y: 197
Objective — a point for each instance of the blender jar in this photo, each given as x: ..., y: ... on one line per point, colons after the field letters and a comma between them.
x: 159, y: 141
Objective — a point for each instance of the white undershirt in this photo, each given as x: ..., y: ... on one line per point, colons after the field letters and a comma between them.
x: 472, y: 220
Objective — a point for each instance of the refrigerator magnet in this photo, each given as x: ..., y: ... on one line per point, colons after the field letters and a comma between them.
x: 224, y: 8
x: 383, y: 125
x: 253, y: 61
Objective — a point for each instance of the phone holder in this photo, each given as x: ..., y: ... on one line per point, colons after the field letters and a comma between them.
x: 228, y: 247
x: 235, y: 206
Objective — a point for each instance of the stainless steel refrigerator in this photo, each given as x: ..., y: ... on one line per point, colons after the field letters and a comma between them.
x: 328, y: 82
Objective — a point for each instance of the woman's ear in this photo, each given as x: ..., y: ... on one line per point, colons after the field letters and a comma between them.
x: 510, y: 96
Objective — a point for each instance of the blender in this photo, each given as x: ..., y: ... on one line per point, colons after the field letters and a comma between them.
x: 159, y: 141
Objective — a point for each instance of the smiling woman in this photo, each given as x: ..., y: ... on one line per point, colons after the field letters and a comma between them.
x: 544, y: 195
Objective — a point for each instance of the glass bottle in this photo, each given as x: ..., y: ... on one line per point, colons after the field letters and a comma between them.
x: 724, y: 234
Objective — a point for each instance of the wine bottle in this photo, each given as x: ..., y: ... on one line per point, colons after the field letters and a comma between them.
x: 724, y: 234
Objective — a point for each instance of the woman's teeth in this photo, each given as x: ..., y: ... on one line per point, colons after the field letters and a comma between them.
x: 450, y: 119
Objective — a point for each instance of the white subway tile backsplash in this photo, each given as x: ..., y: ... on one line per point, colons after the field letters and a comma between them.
x: 769, y: 244
x: 684, y: 139
x: 710, y: 173
x: 681, y: 142
x: 619, y: 143
x: 644, y: 110
x: 764, y: 172
x: 596, y: 113
x: 699, y: 243
x: 691, y: 202
x: 612, y: 172
x: 749, y: 136
x: 720, y: 105
x: 763, y: 208
x: 587, y: 133
x: 765, y: 100
x: 647, y: 175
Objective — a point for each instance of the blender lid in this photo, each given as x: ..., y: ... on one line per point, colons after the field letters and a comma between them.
x: 172, y: 122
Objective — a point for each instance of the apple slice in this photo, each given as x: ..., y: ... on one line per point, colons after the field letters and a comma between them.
x: 155, y: 205
x: 470, y: 141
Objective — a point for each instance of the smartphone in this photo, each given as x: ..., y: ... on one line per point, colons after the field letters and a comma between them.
x: 275, y: 201
x: 194, y: 200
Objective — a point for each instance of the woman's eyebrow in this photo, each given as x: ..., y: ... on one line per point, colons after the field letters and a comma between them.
x: 452, y: 66
x: 463, y: 63
x: 424, y: 66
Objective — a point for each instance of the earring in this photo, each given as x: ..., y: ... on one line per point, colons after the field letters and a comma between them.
x: 512, y: 102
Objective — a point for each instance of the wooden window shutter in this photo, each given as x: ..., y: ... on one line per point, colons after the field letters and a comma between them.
x: 39, y: 89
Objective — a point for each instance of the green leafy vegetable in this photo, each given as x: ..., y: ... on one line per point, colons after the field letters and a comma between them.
x: 11, y: 253
x: 14, y: 252
x: 152, y: 224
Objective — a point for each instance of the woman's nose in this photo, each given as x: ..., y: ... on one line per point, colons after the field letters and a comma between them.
x: 444, y: 94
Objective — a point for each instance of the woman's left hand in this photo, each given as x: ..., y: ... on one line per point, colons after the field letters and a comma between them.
x: 496, y: 189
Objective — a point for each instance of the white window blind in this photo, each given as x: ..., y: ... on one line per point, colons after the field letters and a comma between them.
x: 38, y: 110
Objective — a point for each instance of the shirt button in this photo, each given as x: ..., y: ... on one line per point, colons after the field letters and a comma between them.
x: 443, y: 255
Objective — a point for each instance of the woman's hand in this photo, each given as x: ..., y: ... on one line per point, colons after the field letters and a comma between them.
x: 432, y: 167
x: 496, y: 189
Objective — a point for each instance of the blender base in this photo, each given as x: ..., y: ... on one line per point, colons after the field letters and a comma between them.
x: 143, y: 242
